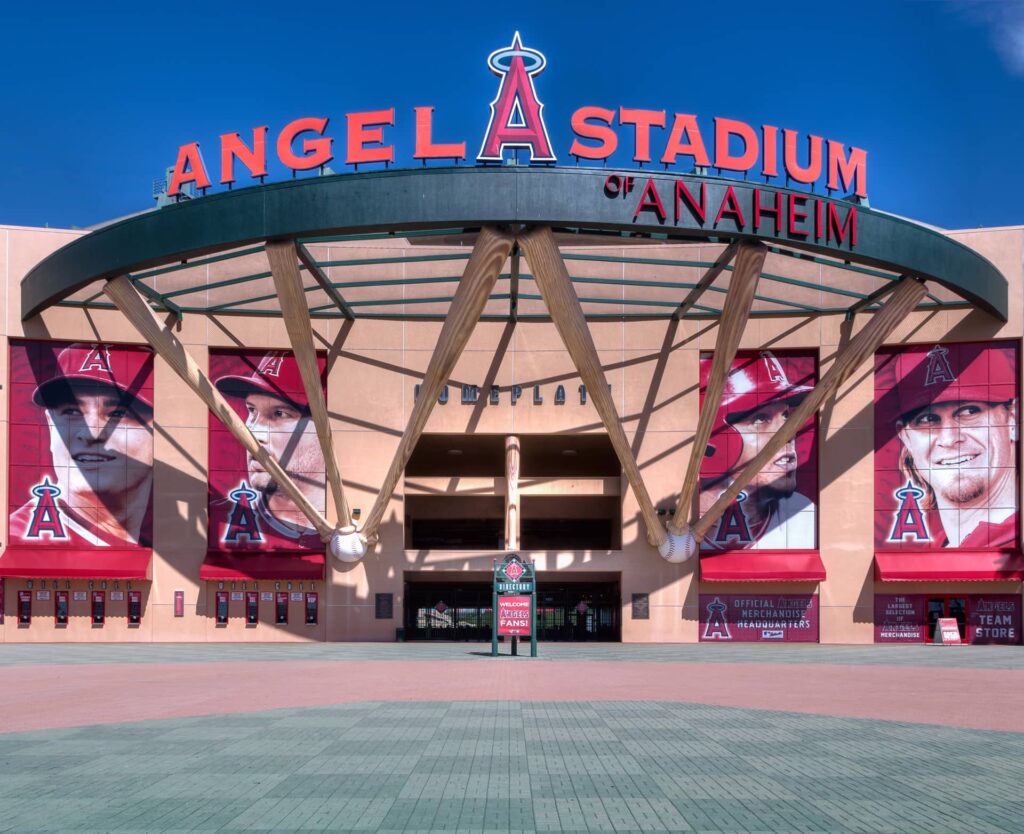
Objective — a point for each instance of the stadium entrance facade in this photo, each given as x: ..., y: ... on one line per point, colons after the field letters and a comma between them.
x: 707, y: 408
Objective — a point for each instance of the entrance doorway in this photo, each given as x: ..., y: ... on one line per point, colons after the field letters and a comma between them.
x: 566, y: 611
x: 955, y: 607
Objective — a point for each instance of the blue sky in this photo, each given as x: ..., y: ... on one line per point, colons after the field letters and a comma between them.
x: 99, y: 96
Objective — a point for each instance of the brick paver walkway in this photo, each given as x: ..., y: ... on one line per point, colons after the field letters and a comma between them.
x: 515, y: 764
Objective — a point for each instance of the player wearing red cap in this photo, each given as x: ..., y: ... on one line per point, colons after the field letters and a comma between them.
x: 255, y: 513
x: 956, y: 415
x: 99, y: 410
x: 769, y: 513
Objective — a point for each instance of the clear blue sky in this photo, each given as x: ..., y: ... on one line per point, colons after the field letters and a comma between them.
x: 98, y: 96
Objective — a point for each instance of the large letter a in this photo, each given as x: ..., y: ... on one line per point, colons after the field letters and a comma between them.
x: 516, y: 118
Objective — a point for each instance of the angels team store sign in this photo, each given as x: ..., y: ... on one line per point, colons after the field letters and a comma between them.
x: 517, y: 122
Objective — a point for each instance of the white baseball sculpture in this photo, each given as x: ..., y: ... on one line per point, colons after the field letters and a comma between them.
x: 678, y: 547
x: 347, y: 545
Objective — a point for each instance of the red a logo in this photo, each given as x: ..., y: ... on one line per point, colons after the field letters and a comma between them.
x: 717, y: 627
x: 46, y: 522
x: 939, y: 369
x: 270, y: 365
x: 242, y: 521
x: 733, y: 523
x: 516, y: 118
x: 97, y: 359
x: 909, y: 517
x: 774, y: 368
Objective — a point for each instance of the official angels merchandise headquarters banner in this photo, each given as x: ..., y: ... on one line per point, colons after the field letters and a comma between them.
x: 248, y: 510
x: 754, y: 617
x: 81, y: 451
x: 777, y: 510
x: 946, y: 447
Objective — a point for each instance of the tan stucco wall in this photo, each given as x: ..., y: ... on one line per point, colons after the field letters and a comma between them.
x: 653, y: 369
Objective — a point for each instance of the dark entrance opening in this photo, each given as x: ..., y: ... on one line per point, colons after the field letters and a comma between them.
x: 456, y: 609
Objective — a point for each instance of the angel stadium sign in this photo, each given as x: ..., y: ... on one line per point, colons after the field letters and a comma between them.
x: 517, y: 124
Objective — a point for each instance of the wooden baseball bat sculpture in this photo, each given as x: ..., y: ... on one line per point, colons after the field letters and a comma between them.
x: 346, y: 544
x: 735, y: 313
x: 552, y: 278
x: 489, y: 255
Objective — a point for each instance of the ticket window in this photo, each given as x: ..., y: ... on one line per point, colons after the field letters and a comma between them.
x: 99, y: 607
x: 252, y: 607
x: 281, y: 608
x: 939, y: 607
x: 312, y: 608
x: 60, y: 608
x: 222, y: 608
x: 24, y: 607
x: 134, y: 607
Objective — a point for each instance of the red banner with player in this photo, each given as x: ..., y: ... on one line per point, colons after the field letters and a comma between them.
x: 81, y: 450
x: 248, y: 511
x: 946, y: 447
x: 754, y: 618
x: 778, y: 509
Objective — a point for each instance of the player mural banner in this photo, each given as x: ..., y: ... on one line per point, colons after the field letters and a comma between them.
x: 946, y: 447
x: 81, y: 447
x: 248, y: 512
x: 778, y: 510
x: 747, y: 618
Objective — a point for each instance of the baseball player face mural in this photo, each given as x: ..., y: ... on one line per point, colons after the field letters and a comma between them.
x: 777, y: 509
x: 81, y: 456
x: 946, y: 446
x: 248, y: 510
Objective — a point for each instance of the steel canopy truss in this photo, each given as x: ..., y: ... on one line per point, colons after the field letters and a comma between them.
x: 182, y: 301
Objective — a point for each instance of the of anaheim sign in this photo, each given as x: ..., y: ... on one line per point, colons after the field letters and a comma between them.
x: 517, y: 123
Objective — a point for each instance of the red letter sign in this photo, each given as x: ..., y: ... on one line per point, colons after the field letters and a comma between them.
x: 516, y: 119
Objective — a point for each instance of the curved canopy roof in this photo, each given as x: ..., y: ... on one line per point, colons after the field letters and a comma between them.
x: 393, y: 244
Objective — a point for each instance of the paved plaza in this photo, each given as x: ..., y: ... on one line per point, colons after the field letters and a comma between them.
x: 447, y: 750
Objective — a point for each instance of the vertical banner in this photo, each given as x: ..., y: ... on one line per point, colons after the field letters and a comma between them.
x: 746, y: 618
x: 946, y: 427
x: 248, y: 512
x: 778, y: 510
x: 81, y: 446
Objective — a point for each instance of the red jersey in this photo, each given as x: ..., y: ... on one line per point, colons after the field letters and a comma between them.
x: 48, y: 520
x: 988, y: 536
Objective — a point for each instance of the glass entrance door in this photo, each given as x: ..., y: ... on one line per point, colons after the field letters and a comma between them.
x: 567, y: 611
x: 955, y: 607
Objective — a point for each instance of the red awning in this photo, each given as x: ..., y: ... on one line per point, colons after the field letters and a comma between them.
x: 949, y: 566
x: 220, y: 566
x: 763, y: 566
x: 87, y: 563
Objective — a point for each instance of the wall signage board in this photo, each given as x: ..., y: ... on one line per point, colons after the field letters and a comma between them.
x: 69, y: 491
x: 991, y: 618
x: 514, y: 603
x: 900, y: 618
x: 384, y: 606
x: 947, y: 632
x: 778, y: 508
x: 514, y: 615
x: 248, y: 514
x: 928, y: 494
x: 753, y: 618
